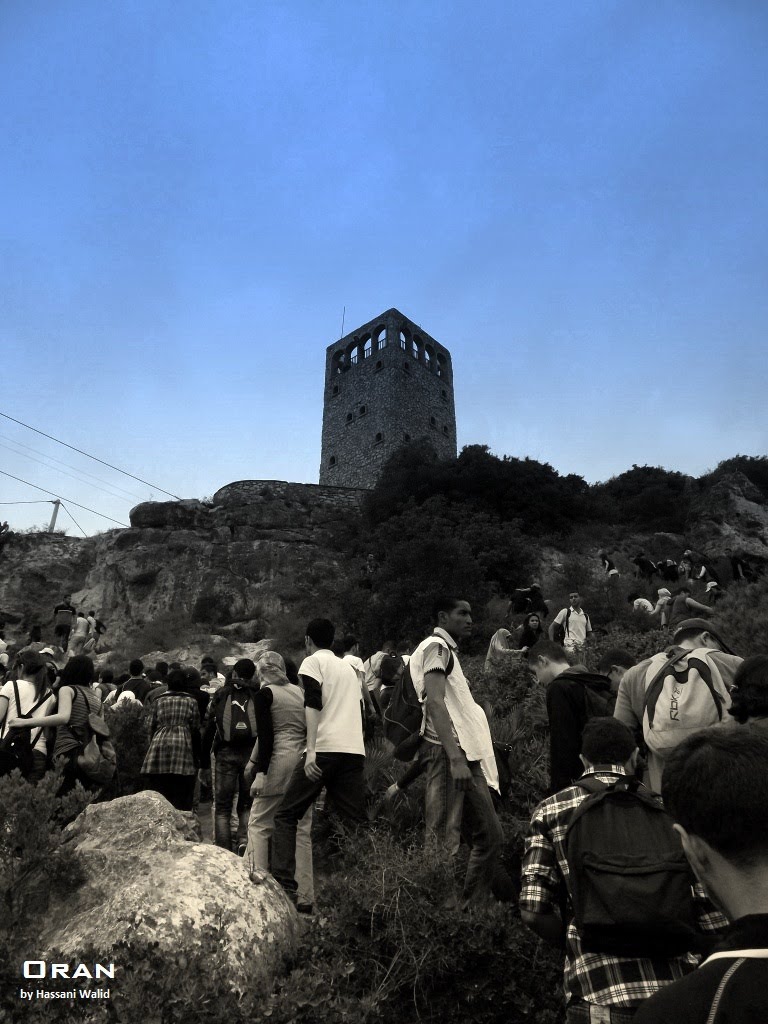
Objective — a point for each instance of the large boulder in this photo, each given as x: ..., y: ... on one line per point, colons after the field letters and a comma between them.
x: 732, y: 513
x: 149, y: 879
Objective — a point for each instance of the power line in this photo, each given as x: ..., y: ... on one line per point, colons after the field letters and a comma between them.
x: 73, y: 519
x: 72, y: 476
x: 37, y: 501
x: 84, y: 472
x: 89, y: 456
x: 75, y: 503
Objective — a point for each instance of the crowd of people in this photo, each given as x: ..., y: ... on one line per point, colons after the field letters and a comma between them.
x: 647, y: 863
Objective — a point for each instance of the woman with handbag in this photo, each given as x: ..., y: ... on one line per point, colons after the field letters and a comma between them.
x: 76, y: 703
x: 170, y: 766
x: 29, y: 698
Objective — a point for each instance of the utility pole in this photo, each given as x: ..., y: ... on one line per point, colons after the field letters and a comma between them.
x: 55, y: 513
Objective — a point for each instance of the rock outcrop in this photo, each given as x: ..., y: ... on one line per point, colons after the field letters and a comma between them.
x: 149, y: 880
x: 732, y: 513
x: 245, y: 557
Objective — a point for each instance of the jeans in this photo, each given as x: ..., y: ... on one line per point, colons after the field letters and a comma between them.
x: 344, y: 779
x: 444, y: 809
x: 230, y: 784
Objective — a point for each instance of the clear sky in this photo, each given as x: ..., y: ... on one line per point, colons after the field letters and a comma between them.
x: 571, y: 196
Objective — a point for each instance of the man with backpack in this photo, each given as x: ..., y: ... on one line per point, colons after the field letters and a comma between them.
x: 571, y: 626
x: 455, y: 743
x: 678, y: 691
x: 63, y: 620
x: 627, y: 934
x: 574, y: 695
x: 230, y: 731
x: 716, y: 790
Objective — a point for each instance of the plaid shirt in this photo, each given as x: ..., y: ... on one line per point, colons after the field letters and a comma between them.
x: 619, y: 982
x: 175, y: 716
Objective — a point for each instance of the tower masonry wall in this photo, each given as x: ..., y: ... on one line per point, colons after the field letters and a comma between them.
x: 386, y: 383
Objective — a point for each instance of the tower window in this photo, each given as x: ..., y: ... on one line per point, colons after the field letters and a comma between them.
x: 367, y: 347
x: 378, y: 365
x: 363, y: 410
x: 444, y: 395
x: 432, y: 421
x: 445, y: 431
x: 335, y: 389
x: 350, y: 417
x: 332, y: 460
x: 379, y: 438
x: 406, y: 437
x: 381, y: 340
x: 406, y: 367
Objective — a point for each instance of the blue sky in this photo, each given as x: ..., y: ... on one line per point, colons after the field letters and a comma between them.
x: 571, y: 196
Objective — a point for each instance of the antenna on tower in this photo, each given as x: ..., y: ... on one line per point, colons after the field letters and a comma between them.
x: 343, y: 314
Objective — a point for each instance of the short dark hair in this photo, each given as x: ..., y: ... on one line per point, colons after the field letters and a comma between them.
x: 321, y: 632
x: 350, y: 641
x: 162, y: 668
x: 207, y: 660
x: 136, y: 667
x: 615, y: 656
x: 749, y: 695
x: 177, y: 679
x: 106, y: 676
x: 244, y: 669
x: 606, y: 740
x: 715, y: 785
x: 77, y: 672
x: 444, y: 603
x: 546, y: 649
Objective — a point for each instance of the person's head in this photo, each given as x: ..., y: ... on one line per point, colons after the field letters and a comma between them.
x: 606, y: 740
x: 749, y: 696
x: 177, y: 680
x: 92, y: 614
x: 136, y: 667
x: 81, y: 615
x: 106, y: 677
x: 391, y: 670
x: 270, y: 669
x: 535, y: 586
x: 192, y: 677
x: 685, y: 589
x: 574, y: 599
x: 243, y: 671
x: 208, y: 674
x: 68, y: 598
x: 208, y: 660
x: 404, y: 649
x: 614, y: 663
x: 34, y: 669
x: 161, y: 667
x: 663, y: 592
x: 712, y: 585
x: 351, y: 644
x: 453, y: 615
x: 546, y: 660
x: 715, y: 787
x: 153, y: 677
x: 389, y: 647
x: 532, y: 621
x: 693, y: 633
x: 77, y: 672
x: 318, y: 635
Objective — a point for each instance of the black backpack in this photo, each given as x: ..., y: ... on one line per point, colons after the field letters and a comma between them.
x: 17, y: 744
x: 404, y: 713
x: 599, y: 697
x: 630, y: 884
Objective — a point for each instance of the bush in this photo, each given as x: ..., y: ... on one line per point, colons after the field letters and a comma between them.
x: 34, y: 863
x: 387, y: 950
x: 129, y: 728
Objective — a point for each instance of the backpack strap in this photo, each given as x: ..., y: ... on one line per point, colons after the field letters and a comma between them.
x: 706, y: 674
x: 721, y: 989
x: 31, y: 711
x: 656, y: 685
x: 226, y: 719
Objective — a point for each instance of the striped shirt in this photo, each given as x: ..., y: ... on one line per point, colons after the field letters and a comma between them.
x: 614, y: 981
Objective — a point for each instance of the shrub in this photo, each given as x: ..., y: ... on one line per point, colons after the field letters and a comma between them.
x: 129, y: 727
x: 33, y: 862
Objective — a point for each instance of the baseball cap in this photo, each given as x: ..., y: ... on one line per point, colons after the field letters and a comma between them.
x: 711, y: 585
x: 702, y: 625
x: 663, y: 592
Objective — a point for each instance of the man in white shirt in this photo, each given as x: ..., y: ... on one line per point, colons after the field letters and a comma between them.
x: 571, y: 625
x: 335, y: 755
x: 455, y: 742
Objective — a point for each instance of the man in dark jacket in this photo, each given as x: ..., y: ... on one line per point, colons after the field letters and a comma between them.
x: 716, y: 788
x: 574, y: 695
x: 230, y: 731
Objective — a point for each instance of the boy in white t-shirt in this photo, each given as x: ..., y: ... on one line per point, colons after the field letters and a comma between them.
x: 335, y: 754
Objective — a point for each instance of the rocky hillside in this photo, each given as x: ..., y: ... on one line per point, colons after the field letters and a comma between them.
x: 256, y: 550
x: 244, y: 557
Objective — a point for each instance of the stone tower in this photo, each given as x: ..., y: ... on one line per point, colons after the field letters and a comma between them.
x: 386, y: 383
